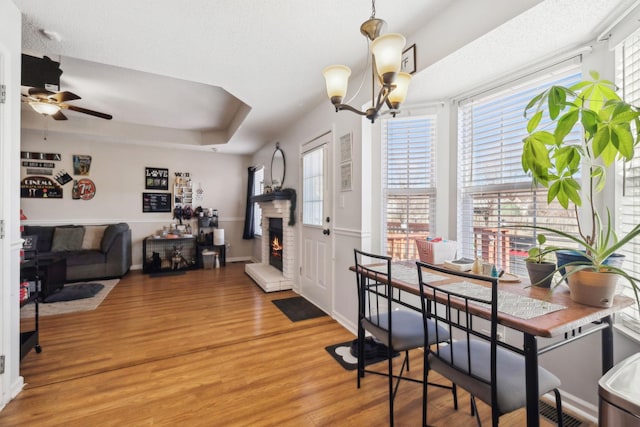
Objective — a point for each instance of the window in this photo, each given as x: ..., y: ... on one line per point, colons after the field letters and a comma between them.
x: 494, y: 193
x: 628, y: 79
x: 312, y: 186
x: 258, y: 186
x: 409, y: 188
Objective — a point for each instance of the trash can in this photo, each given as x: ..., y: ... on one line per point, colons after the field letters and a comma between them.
x: 619, y: 394
x: 208, y: 259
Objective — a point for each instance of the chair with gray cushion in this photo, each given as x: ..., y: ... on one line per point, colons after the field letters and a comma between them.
x: 477, y: 361
x: 391, y: 321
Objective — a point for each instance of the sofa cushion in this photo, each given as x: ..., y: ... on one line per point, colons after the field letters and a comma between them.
x: 67, y: 239
x: 45, y: 236
x: 85, y: 257
x: 93, y: 237
x: 110, y: 233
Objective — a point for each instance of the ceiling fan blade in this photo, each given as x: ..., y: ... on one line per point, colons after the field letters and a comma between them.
x: 86, y: 111
x: 64, y: 96
x: 59, y: 116
x: 40, y: 92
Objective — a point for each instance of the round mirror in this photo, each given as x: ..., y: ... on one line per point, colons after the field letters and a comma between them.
x: 278, y: 167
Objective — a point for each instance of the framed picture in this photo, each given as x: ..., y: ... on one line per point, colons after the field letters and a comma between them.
x: 408, y: 63
x: 156, y: 178
x: 345, y: 176
x: 156, y: 202
x: 345, y: 148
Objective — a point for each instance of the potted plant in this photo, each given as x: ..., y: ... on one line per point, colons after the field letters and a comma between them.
x: 608, y: 128
x: 539, y: 267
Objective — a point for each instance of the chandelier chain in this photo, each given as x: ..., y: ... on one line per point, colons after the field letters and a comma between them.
x: 373, y: 9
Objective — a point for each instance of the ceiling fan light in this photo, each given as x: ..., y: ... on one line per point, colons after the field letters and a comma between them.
x: 387, y: 50
x: 45, y: 108
x: 337, y: 80
x: 398, y: 95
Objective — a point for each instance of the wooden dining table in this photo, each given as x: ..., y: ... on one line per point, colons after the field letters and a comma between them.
x: 572, y: 322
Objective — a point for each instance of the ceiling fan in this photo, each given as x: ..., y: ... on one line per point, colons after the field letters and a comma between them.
x: 51, y: 103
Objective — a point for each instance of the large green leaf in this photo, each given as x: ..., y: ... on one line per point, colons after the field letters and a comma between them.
x: 565, y: 125
x: 534, y: 122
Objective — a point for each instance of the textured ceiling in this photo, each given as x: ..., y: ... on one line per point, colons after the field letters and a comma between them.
x: 269, y: 54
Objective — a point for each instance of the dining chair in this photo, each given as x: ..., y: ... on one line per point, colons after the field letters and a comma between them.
x: 391, y: 321
x: 489, y: 369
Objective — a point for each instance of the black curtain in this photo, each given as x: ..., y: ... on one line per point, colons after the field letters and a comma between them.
x: 248, y: 217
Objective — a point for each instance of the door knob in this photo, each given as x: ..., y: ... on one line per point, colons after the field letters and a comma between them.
x: 326, y: 231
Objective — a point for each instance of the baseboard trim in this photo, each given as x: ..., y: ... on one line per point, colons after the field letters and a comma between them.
x: 579, y: 407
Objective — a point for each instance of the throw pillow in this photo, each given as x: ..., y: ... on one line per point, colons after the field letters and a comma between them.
x: 93, y: 237
x: 67, y: 239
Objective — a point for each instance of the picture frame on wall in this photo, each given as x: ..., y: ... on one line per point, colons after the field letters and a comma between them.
x: 345, y: 176
x: 156, y: 178
x: 408, y: 62
x: 346, y: 147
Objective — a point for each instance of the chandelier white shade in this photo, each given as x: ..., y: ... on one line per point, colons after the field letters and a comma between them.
x: 337, y: 79
x: 387, y: 52
x: 386, y: 58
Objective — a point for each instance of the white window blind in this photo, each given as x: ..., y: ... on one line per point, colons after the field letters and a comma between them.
x: 258, y: 186
x: 409, y: 188
x: 628, y: 79
x: 494, y: 192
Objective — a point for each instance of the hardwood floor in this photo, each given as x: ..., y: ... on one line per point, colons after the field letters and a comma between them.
x: 207, y: 348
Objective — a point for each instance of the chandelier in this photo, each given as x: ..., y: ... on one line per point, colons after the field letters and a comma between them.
x: 386, y: 56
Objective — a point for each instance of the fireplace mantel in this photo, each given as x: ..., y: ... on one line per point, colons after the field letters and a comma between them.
x: 274, y: 195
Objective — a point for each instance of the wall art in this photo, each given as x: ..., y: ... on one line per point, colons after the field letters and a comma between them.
x: 83, y: 189
x: 156, y: 202
x: 40, y: 187
x: 40, y: 156
x: 345, y: 176
x: 408, y: 61
x: 345, y: 148
x: 81, y: 164
x: 63, y: 177
x: 156, y: 178
x: 48, y: 165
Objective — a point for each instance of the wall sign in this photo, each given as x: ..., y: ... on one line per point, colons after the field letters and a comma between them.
x: 40, y: 187
x: 63, y: 177
x: 39, y: 164
x: 83, y: 189
x: 156, y: 202
x: 40, y: 156
x: 156, y: 178
x: 81, y: 164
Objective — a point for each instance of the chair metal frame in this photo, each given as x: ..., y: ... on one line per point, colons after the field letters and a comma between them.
x: 460, y: 317
x: 377, y: 297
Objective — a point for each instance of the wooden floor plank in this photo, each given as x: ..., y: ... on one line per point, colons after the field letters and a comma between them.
x: 207, y: 348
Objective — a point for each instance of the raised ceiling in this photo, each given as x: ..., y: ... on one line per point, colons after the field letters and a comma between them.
x: 243, y: 70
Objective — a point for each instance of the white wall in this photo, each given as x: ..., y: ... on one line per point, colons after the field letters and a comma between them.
x: 118, y: 173
x: 10, y: 30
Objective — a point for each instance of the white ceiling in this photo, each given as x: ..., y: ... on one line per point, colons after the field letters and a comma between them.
x: 269, y: 54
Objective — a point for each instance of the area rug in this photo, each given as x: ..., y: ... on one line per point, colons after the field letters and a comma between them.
x: 298, y: 308
x: 64, y: 307
x: 374, y: 353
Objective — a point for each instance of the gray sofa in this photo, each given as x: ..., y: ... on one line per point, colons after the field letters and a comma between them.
x: 91, y: 251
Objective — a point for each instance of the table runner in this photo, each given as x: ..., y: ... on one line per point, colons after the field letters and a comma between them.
x: 509, y: 303
x: 408, y: 274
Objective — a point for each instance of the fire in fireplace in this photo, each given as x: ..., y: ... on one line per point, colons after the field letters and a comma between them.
x: 276, y: 244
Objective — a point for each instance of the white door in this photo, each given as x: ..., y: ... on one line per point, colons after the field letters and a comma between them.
x: 317, y: 247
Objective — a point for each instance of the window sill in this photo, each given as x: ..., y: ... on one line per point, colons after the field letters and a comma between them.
x: 631, y: 334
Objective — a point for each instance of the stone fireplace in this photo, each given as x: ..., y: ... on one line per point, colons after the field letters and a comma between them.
x: 275, y: 210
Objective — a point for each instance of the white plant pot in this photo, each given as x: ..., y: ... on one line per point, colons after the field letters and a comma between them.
x: 592, y: 287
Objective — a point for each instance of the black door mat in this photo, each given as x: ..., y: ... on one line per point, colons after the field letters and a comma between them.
x: 346, y: 353
x: 298, y: 308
